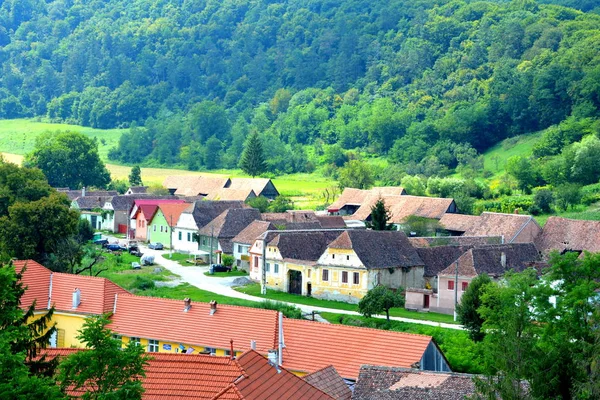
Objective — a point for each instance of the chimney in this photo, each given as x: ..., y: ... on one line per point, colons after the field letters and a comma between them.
x: 503, y: 260
x: 83, y: 191
x: 76, y: 297
x: 231, y: 353
x: 187, y: 304
x: 213, y: 307
x: 272, y: 357
x: 253, y: 344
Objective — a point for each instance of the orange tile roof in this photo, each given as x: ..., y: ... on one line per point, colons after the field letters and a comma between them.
x: 264, y: 381
x: 172, y: 211
x: 310, y: 346
x: 164, y: 319
x: 97, y: 294
x: 179, y: 376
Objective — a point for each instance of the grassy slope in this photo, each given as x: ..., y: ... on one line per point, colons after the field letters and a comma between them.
x: 495, y: 158
x: 18, y: 135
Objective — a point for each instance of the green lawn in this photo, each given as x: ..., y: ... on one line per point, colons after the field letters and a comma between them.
x: 226, y: 274
x: 254, y: 290
x: 495, y: 158
x: 462, y: 353
x: 580, y: 211
x: 181, y: 258
x: 120, y: 272
x: 18, y: 136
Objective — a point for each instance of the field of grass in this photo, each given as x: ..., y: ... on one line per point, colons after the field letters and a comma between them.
x: 580, y: 211
x: 226, y: 274
x: 495, y: 158
x: 254, y: 290
x: 18, y: 136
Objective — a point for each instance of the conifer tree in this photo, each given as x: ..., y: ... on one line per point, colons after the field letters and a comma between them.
x: 380, y: 216
x: 253, y: 159
x: 135, y: 177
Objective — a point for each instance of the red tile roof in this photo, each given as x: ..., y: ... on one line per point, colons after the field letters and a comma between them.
x: 311, y: 346
x: 97, y: 294
x: 264, y: 381
x: 172, y: 211
x: 180, y: 376
x: 563, y: 234
x: 165, y: 319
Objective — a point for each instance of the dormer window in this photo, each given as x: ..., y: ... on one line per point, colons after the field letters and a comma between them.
x: 333, y: 256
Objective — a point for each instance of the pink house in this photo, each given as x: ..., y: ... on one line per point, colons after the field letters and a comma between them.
x: 142, y: 213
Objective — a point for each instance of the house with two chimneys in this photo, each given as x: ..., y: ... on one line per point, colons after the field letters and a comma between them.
x: 184, y: 326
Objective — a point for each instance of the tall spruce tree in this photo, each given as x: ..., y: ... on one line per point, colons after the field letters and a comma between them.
x: 135, y: 177
x: 380, y: 216
x: 253, y: 159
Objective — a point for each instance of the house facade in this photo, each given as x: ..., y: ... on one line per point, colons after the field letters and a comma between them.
x: 243, y: 241
x: 184, y: 230
x: 164, y: 221
x: 217, y: 235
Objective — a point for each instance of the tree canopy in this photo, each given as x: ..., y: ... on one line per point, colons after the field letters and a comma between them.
x: 69, y: 159
x: 380, y: 299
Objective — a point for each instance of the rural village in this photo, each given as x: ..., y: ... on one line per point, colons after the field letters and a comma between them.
x: 215, y: 351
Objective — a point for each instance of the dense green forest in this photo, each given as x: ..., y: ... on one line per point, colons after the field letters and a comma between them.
x: 428, y: 83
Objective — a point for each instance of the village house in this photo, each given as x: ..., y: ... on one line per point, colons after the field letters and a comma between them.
x: 565, y: 235
x: 117, y: 209
x: 136, y: 190
x: 206, y: 377
x: 74, y: 194
x: 244, y: 240
x: 217, y: 235
x: 195, y: 217
x: 298, y: 218
x: 182, y: 326
x: 391, y: 383
x: 163, y: 222
x: 493, y: 260
x: 90, y: 209
x: 352, y: 199
x: 514, y: 228
x: 141, y: 214
x: 336, y: 264
x: 221, y: 188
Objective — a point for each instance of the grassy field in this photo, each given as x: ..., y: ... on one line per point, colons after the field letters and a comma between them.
x: 495, y: 158
x: 276, y: 295
x: 18, y: 136
x: 226, y: 274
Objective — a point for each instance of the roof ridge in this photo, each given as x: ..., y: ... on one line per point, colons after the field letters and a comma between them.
x: 129, y: 294
x: 357, y: 327
x: 420, y: 371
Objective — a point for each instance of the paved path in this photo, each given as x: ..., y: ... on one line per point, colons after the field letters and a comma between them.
x: 195, y: 277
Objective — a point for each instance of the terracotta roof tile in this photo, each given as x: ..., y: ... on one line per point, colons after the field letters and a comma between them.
x: 97, y: 294
x: 437, y: 241
x: 302, y: 245
x: 328, y: 380
x: 458, y: 222
x: 164, y: 319
x: 438, y: 258
x: 230, y: 222
x: 231, y: 194
x: 498, y: 224
x: 206, y: 210
x: 358, y: 197
x: 564, y: 234
x: 249, y: 234
x: 172, y: 211
x: 488, y: 259
x: 264, y: 381
x: 255, y: 184
x: 179, y: 376
x: 376, y: 383
x: 200, y: 185
x: 401, y: 207
x: 311, y: 346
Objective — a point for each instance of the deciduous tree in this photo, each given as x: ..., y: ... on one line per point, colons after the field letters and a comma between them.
x: 467, y: 309
x: 380, y: 299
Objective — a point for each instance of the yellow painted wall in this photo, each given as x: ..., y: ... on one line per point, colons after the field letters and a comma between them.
x: 321, y: 288
x: 197, y: 349
x: 68, y: 327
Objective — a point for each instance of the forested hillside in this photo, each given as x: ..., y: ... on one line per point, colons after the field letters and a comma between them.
x: 429, y: 83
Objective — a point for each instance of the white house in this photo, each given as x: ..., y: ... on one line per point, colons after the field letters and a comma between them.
x: 183, y: 234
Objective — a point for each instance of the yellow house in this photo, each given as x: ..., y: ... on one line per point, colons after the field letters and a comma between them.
x: 338, y: 265
x: 74, y: 298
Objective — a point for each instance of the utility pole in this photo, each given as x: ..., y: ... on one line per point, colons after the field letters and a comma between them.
x: 211, y: 244
x: 171, y: 238
x: 455, y: 288
x: 263, y: 280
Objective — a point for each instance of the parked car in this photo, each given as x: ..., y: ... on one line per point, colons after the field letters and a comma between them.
x: 136, y: 265
x: 218, y: 268
x: 102, y: 242
x: 156, y: 246
x: 115, y: 247
x: 132, y: 244
x: 136, y: 252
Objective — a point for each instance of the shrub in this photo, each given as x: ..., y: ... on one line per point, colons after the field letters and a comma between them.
x: 143, y: 283
x: 288, y: 310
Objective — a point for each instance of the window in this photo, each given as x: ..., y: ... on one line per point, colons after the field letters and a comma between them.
x: 135, y: 340
x: 465, y: 285
x: 356, y: 278
x: 450, y: 285
x: 239, y: 248
x: 143, y: 223
x: 227, y: 352
x: 189, y: 236
x: 161, y: 228
x: 152, y: 346
x: 203, y: 241
x: 179, y: 235
x: 154, y: 228
x: 325, y: 274
x: 210, y: 350
x: 267, y: 267
x: 333, y: 256
x: 117, y: 337
x: 347, y: 258
x: 344, y: 277
x: 308, y: 273
x: 276, y: 269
